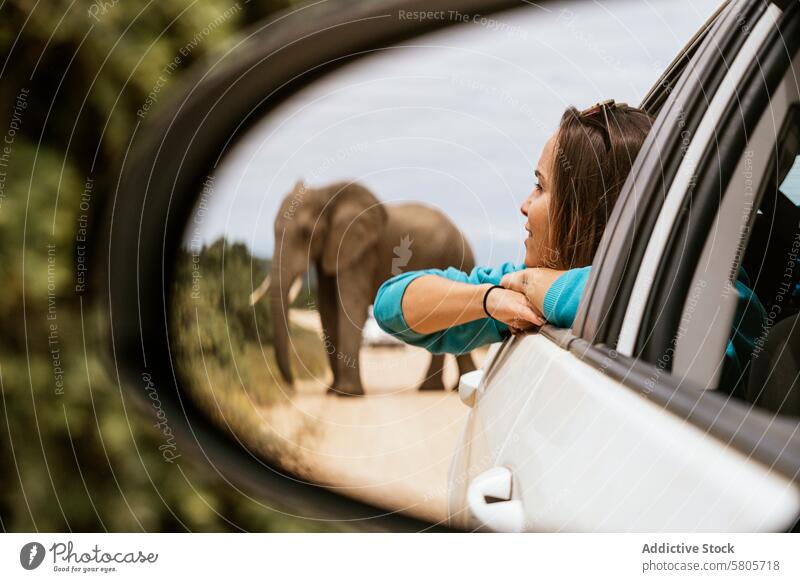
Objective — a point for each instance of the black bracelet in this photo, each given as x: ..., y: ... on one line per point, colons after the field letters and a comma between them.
x: 486, y: 296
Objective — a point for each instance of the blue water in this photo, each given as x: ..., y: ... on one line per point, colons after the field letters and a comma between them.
x: 456, y: 119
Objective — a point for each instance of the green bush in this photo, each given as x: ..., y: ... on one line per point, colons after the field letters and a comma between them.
x: 75, y: 454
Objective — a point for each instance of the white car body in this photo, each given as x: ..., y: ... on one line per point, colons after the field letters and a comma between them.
x: 652, y: 471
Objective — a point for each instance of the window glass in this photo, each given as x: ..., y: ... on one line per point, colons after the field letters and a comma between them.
x: 791, y: 184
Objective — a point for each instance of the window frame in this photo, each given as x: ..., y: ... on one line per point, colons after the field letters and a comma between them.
x: 778, y: 114
x: 676, y: 271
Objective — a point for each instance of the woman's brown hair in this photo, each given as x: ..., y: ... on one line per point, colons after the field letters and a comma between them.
x: 594, y: 152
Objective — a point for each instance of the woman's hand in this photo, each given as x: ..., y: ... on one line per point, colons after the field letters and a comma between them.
x: 533, y: 283
x: 432, y: 303
x: 513, y: 309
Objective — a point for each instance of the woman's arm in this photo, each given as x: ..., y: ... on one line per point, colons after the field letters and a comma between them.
x: 458, y: 339
x: 432, y: 303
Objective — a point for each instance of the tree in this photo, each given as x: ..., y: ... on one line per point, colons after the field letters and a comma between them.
x: 75, y: 80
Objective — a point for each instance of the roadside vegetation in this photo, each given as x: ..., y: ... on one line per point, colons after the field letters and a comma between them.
x: 223, y: 345
x: 79, y: 80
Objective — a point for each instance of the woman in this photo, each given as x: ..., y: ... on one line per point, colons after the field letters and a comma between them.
x: 580, y: 174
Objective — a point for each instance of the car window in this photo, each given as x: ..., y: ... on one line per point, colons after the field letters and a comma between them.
x: 737, y: 331
x: 791, y: 184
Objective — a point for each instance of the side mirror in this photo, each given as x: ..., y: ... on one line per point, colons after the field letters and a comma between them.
x: 258, y: 213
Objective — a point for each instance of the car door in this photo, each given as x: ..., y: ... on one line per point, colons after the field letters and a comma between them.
x: 616, y: 424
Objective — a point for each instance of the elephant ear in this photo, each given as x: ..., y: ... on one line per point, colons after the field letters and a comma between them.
x: 357, y: 219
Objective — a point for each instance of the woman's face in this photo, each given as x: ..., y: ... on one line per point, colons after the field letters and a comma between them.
x: 536, y: 208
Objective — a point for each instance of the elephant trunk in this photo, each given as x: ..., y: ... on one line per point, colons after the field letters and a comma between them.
x: 279, y: 309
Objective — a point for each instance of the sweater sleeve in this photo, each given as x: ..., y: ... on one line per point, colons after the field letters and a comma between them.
x: 564, y: 296
x: 459, y: 339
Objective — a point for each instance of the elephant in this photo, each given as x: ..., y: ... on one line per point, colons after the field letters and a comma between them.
x: 355, y: 243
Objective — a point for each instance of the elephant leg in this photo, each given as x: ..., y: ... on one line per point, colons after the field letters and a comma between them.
x: 355, y: 297
x: 434, y: 377
x: 465, y: 364
x: 329, y: 314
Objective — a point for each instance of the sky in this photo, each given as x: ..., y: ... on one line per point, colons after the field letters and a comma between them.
x: 455, y: 119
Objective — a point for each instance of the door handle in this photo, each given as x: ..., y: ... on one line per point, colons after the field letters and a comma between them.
x: 469, y: 385
x: 489, y: 498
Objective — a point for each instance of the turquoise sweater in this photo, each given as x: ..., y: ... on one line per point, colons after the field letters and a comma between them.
x: 560, y: 307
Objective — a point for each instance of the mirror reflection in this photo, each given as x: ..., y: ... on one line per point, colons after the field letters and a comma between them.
x: 419, y: 156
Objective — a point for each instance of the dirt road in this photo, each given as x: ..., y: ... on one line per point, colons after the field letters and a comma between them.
x: 391, y: 448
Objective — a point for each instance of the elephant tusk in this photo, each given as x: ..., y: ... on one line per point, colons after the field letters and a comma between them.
x: 294, y: 290
x: 259, y: 291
